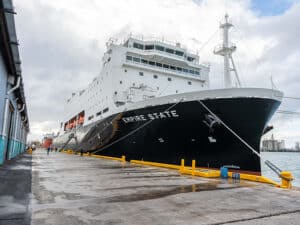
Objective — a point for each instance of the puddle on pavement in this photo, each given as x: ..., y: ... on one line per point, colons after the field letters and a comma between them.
x: 134, y: 171
x: 155, y: 194
x: 151, y: 177
x: 137, y: 187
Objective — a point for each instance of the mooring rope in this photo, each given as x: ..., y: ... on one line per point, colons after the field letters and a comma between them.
x: 273, y: 167
x: 135, y: 130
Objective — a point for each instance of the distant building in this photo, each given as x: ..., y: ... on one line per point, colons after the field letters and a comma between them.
x: 14, y: 124
x: 273, y: 144
x: 297, y: 146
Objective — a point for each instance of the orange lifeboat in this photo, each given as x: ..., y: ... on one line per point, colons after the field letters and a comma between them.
x: 81, y: 119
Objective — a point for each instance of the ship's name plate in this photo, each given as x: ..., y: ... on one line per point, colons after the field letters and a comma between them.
x: 151, y: 116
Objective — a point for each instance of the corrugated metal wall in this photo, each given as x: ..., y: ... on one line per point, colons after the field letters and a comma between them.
x: 13, y: 132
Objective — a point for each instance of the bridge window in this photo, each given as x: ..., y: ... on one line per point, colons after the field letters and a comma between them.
x: 159, y: 48
x: 149, y: 47
x: 144, y: 61
x: 105, y: 110
x: 168, y: 50
x: 191, y: 59
x: 136, y: 59
x: 137, y: 45
x: 151, y: 63
x: 166, y: 66
x: 179, y: 53
x: 128, y: 57
x: 159, y: 64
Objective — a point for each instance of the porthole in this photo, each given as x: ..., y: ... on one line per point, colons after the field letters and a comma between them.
x: 169, y: 79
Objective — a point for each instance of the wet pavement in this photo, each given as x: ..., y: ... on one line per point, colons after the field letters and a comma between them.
x: 69, y: 189
x: 15, y: 191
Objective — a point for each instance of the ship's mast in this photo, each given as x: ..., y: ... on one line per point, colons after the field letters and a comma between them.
x: 226, y: 50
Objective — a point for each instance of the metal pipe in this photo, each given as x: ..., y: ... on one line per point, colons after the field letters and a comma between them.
x: 22, y: 109
x: 4, y: 127
x: 15, y: 87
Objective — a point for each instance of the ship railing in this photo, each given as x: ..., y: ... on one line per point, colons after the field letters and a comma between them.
x: 222, y: 48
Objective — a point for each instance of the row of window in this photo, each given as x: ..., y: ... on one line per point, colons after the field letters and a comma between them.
x: 169, y: 78
x: 154, y: 76
x: 99, y: 113
x: 161, y: 65
x: 162, y: 49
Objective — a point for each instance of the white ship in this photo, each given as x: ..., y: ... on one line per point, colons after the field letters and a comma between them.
x: 152, y: 101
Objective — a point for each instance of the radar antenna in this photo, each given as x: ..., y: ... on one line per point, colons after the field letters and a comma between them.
x: 226, y: 49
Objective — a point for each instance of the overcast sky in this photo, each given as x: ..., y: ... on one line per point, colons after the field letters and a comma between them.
x: 62, y: 42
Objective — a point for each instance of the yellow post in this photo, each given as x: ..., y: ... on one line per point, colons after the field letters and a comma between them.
x: 123, y: 158
x: 182, y: 166
x: 286, y: 179
x: 193, y: 167
x: 30, y: 151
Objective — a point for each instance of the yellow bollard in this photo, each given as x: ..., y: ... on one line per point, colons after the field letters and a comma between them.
x: 286, y: 179
x: 182, y: 166
x: 123, y: 158
x: 193, y: 167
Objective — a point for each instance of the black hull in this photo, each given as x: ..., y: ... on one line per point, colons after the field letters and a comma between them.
x: 182, y: 133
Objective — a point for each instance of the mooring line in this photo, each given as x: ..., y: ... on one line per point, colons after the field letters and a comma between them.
x: 134, y: 131
x: 273, y: 167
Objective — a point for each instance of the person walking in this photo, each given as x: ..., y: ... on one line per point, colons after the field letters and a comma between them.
x: 48, y: 150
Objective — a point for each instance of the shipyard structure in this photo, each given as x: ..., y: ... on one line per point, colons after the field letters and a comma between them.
x: 14, y: 124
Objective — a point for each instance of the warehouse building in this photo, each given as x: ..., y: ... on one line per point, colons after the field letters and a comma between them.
x: 14, y: 124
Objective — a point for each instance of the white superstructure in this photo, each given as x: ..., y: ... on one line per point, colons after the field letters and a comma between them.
x: 135, y: 71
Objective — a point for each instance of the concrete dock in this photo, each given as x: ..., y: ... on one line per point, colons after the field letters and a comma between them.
x: 69, y: 189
